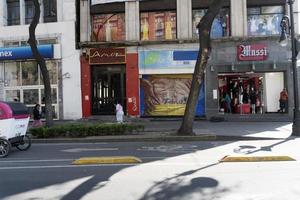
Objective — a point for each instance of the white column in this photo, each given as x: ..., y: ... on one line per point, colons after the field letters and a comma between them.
x: 238, y: 13
x: 132, y: 20
x: 59, y: 5
x: 3, y: 17
x: 297, y: 16
x: 184, y: 19
x: 22, y: 12
x: 85, y: 25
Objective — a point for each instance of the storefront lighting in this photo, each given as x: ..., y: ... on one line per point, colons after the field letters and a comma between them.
x: 232, y: 67
x: 253, y: 66
x: 287, y: 26
x: 274, y: 65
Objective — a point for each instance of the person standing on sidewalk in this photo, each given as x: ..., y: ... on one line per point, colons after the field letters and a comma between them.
x: 283, y: 100
x: 37, y: 115
x: 119, y: 113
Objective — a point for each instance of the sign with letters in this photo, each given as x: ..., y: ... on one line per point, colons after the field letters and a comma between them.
x: 252, y: 52
x: 24, y: 52
x: 107, y: 56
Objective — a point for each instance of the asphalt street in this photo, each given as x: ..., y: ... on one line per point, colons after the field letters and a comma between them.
x: 50, y: 166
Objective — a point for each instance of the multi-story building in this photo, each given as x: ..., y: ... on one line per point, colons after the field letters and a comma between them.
x: 143, y: 53
x: 20, y: 77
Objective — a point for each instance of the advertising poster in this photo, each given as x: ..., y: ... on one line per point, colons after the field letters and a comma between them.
x: 166, y: 95
x: 108, y: 27
x: 158, y: 25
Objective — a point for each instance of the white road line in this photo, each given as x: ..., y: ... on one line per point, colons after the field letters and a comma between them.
x: 62, y: 166
x: 32, y: 161
x: 60, y: 144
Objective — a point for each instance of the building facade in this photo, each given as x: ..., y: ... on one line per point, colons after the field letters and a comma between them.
x: 20, y: 77
x: 143, y: 53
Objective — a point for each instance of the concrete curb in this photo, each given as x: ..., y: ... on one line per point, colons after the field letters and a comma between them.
x: 151, y: 138
x: 107, y: 160
x: 255, y: 158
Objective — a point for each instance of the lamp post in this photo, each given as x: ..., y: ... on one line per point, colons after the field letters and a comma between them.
x: 285, y: 27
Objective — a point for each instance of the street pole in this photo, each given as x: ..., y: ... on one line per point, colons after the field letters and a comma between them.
x: 296, y: 118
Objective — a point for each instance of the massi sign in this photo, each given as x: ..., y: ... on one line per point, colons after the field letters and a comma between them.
x: 252, y: 52
x: 94, y: 2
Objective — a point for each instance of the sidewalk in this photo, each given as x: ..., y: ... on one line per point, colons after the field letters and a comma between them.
x: 165, y: 130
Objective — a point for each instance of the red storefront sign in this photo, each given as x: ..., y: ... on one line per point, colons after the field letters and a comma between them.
x: 252, y: 52
x: 107, y: 56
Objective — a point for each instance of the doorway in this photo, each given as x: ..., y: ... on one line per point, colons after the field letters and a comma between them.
x: 108, y: 88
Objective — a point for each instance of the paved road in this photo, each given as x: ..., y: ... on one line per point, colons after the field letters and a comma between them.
x: 45, y: 169
x: 173, y: 171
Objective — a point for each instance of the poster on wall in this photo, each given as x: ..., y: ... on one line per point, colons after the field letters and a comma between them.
x: 166, y: 95
x: 158, y: 25
x: 167, y: 61
x: 108, y: 27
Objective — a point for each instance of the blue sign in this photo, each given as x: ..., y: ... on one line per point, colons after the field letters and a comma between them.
x: 21, y: 53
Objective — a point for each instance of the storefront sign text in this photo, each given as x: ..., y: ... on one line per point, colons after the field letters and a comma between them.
x: 254, y: 52
x: 18, y: 53
x: 107, y: 56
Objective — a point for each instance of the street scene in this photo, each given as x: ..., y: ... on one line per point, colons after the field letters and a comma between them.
x: 149, y: 100
x: 168, y: 170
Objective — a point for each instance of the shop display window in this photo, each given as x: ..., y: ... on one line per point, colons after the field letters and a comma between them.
x: 264, y: 20
x: 250, y: 93
x: 12, y: 76
x: 108, y: 27
x: 29, y: 73
x: 31, y: 96
x: 158, y: 25
x: 220, y: 27
x: 23, y: 82
x: 52, y: 70
x: 12, y: 95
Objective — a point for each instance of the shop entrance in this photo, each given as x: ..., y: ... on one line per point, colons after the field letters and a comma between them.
x: 108, y: 88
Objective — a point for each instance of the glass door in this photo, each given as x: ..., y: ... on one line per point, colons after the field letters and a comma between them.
x: 108, y: 89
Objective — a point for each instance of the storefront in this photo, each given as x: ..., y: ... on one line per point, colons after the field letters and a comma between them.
x: 21, y: 79
x: 250, y: 77
x: 109, y: 76
x: 165, y: 81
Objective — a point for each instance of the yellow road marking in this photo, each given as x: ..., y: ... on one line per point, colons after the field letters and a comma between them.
x: 255, y: 158
x: 107, y: 160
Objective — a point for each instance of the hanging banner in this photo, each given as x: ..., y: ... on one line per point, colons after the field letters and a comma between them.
x: 94, y: 2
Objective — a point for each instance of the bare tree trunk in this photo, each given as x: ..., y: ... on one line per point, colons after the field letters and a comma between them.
x: 204, y: 28
x: 41, y: 62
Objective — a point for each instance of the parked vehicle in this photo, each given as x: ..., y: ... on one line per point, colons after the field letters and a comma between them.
x: 14, y: 119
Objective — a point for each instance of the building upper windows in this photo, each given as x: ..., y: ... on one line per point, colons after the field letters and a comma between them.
x: 264, y: 20
x: 108, y: 27
x: 29, y: 11
x: 158, y: 25
x: 13, y: 12
x: 220, y: 27
x: 50, y: 11
x: 16, y: 9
